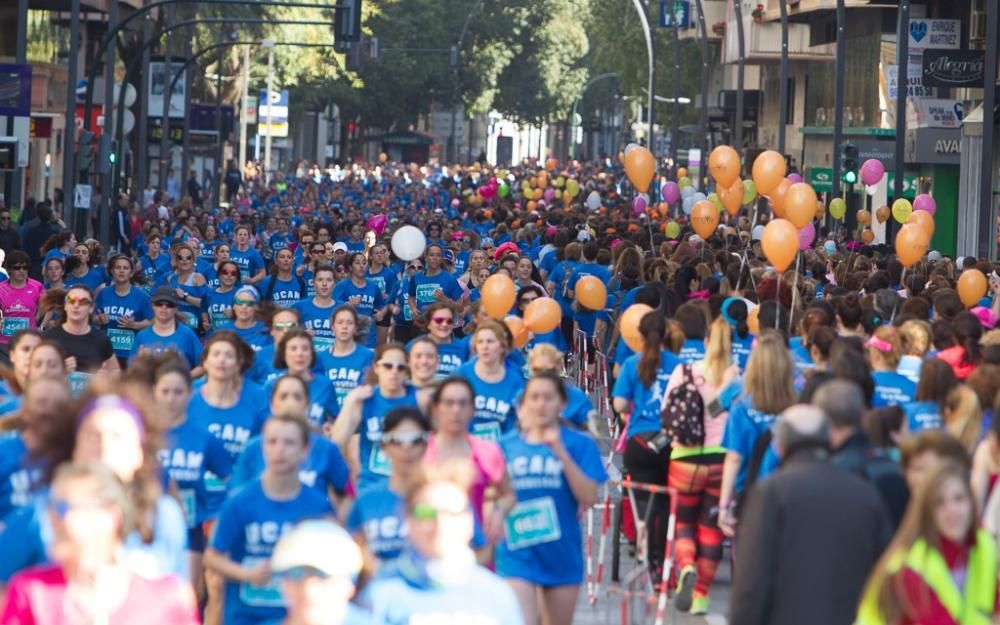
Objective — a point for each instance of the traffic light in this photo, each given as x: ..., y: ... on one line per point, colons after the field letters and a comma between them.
x: 849, y: 163
x: 85, y: 150
x: 105, y: 159
x: 347, y: 22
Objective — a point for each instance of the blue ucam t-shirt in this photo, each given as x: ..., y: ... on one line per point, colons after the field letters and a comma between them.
x: 346, y: 372
x: 371, y: 300
x: 250, y: 262
x: 646, y: 401
x: 93, y: 279
x: 317, y: 320
x: 578, y: 405
x: 215, y: 304
x: 495, y: 412
x: 744, y: 424
x: 385, y: 279
x: 191, y: 452
x: 922, y: 415
x: 323, y: 403
x: 283, y: 293
x: 154, y: 270
x: 134, y: 304
x: 322, y: 470
x: 183, y: 340
x: 18, y: 477
x: 692, y: 351
x: 250, y: 525
x: 451, y: 355
x: 741, y: 350
x: 543, y: 543
x: 422, y: 288
x: 256, y: 336
x: 892, y: 389
x: 374, y: 467
x: 262, y: 370
x: 234, y: 426
x: 378, y: 514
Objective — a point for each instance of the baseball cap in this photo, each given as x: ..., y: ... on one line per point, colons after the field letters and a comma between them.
x: 986, y: 317
x: 320, y: 545
x: 506, y: 248
x: 449, y: 256
x: 340, y: 246
x: 934, y: 255
x: 164, y: 294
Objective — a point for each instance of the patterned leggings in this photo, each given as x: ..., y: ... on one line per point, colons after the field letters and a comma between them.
x: 699, y: 539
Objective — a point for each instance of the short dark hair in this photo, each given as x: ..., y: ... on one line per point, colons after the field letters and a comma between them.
x: 842, y: 402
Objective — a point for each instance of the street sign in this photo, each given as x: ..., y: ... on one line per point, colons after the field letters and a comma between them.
x: 15, y: 90
x: 276, y: 129
x: 953, y: 68
x: 679, y: 14
x: 81, y: 196
x: 935, y: 34
x: 277, y: 104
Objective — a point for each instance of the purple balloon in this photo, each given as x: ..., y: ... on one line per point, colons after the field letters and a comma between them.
x: 487, y: 192
x: 924, y: 202
x: 455, y: 203
x: 638, y: 206
x: 794, y: 178
x: 872, y: 171
x: 671, y: 192
x: 549, y: 195
x: 806, y: 236
x: 377, y: 223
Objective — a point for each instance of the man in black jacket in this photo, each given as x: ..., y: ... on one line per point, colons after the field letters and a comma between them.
x: 10, y: 239
x: 809, y: 536
x: 843, y: 404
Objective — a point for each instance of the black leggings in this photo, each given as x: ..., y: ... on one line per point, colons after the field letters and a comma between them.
x: 643, y: 465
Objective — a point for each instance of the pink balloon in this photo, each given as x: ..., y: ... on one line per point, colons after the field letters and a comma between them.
x: 638, y: 206
x: 794, y: 178
x: 872, y: 171
x: 549, y: 195
x: 924, y: 202
x: 671, y: 192
x: 487, y: 192
x: 377, y: 223
x: 806, y: 236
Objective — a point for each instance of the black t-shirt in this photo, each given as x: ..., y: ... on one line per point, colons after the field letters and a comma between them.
x: 90, y: 349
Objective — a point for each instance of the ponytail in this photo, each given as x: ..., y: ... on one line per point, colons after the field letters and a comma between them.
x: 652, y: 327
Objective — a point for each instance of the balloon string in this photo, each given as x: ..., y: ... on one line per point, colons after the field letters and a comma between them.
x: 795, y: 291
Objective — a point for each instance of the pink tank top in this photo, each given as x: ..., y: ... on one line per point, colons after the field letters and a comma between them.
x: 19, y: 307
x: 490, y: 468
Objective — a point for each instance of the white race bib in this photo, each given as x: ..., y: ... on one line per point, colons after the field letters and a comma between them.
x: 532, y: 522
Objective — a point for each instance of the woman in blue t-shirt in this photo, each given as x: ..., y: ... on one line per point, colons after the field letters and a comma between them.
x: 694, y: 318
x: 315, y: 312
x: 217, y: 304
x: 495, y: 382
x: 556, y: 472
x: 638, y: 392
x: 246, y: 323
x: 253, y: 520
x: 358, y: 428
x: 123, y: 309
x: 188, y: 284
x: 295, y: 355
x: 423, y: 359
x: 452, y: 352
x: 167, y: 332
x: 365, y: 296
x: 346, y: 362
x: 377, y: 520
x: 937, y: 379
x: 768, y: 389
x: 884, y: 349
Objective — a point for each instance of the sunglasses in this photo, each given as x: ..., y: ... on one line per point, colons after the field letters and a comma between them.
x: 18, y: 267
x: 318, y: 250
x: 527, y: 300
x: 229, y: 272
x: 62, y: 507
x: 442, y: 320
x: 301, y: 573
x: 405, y: 439
x: 285, y: 325
x: 185, y: 257
x: 389, y: 365
x: 165, y: 303
x: 414, y: 267
x: 427, y: 512
x: 244, y: 302
x: 78, y: 301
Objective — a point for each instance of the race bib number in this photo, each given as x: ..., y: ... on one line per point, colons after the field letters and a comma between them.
x: 189, y: 505
x: 213, y: 484
x: 322, y: 344
x: 191, y: 321
x: 425, y: 293
x: 266, y: 596
x: 78, y: 381
x: 486, y: 431
x: 378, y: 462
x: 532, y: 522
x: 121, y: 340
x: 218, y: 319
x: 11, y: 325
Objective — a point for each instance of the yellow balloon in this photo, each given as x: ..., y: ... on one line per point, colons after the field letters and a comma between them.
x: 901, y: 210
x: 838, y: 208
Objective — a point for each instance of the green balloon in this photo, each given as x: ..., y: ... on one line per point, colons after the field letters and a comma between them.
x: 714, y: 199
x: 684, y: 182
x: 672, y: 229
x: 838, y: 208
x: 749, y: 192
x: 503, y: 190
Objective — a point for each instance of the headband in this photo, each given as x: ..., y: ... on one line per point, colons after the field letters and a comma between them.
x: 247, y: 289
x: 111, y: 402
x: 879, y: 344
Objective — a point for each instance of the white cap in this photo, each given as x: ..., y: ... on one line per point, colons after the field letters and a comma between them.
x: 340, y: 246
x: 757, y: 233
x: 934, y: 255
x: 321, y: 545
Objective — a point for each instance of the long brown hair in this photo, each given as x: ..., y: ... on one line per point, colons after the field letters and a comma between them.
x: 769, y: 374
x: 918, y: 523
x: 653, y: 328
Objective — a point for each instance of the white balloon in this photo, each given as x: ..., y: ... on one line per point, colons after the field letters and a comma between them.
x: 871, y: 189
x: 699, y: 197
x: 687, y: 192
x: 688, y: 204
x: 408, y: 243
x: 594, y: 200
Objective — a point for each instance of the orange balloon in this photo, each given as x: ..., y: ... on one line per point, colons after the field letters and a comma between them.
x: 682, y: 172
x: 867, y: 236
x: 768, y: 171
x: 864, y: 217
x: 704, y: 218
x: 820, y: 210
x: 551, y: 164
x: 971, y: 286
x: 537, y: 194
x: 799, y: 204
x: 533, y: 181
x: 923, y: 219
x: 591, y: 293
x: 498, y: 294
x: 731, y: 200
x: 911, y: 244
x: 753, y: 320
x: 882, y: 214
x: 543, y: 179
x: 628, y: 325
x: 542, y: 315
x: 518, y: 330
x: 780, y: 242
x: 777, y: 197
x: 640, y: 167
x: 532, y: 205
x: 724, y: 165
x: 567, y: 198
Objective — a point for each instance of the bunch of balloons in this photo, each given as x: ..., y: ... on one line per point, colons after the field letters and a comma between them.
x: 724, y: 166
x: 542, y: 315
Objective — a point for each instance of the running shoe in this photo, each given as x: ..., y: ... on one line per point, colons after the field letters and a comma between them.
x: 685, y: 588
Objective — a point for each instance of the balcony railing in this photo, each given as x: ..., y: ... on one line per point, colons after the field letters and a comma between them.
x: 763, y: 43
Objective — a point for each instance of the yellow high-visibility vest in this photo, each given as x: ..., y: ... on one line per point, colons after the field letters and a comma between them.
x: 972, y: 606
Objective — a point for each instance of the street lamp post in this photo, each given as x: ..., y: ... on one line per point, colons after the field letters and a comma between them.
x: 703, y: 109
x: 783, y: 87
x: 987, y: 219
x: 456, y: 62
x: 69, y: 142
x: 243, y: 106
x: 740, y: 75
x: 576, y: 104
x: 651, y: 55
x: 838, y: 93
x: 269, y: 45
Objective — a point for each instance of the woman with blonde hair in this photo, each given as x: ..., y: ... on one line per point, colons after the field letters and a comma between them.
x: 963, y: 415
x: 884, y: 349
x: 916, y: 337
x: 546, y: 358
x: 767, y: 390
x: 496, y: 383
x: 938, y: 543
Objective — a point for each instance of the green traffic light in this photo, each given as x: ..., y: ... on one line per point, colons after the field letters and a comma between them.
x: 112, y: 158
x: 850, y: 177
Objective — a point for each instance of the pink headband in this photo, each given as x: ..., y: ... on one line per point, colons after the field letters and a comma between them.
x: 879, y: 344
